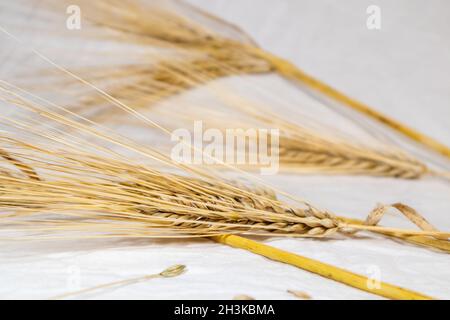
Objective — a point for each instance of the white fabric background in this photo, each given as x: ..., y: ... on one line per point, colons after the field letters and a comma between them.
x: 402, y: 70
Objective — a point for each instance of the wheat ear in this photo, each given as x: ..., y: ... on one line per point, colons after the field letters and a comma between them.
x: 201, y: 55
x: 156, y: 24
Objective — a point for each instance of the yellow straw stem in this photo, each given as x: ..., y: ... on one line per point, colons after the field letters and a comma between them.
x: 290, y: 71
x: 325, y: 270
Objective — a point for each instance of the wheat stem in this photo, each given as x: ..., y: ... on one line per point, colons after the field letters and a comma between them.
x: 325, y: 270
x: 290, y: 71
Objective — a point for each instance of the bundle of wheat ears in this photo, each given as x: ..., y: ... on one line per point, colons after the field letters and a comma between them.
x: 64, y: 175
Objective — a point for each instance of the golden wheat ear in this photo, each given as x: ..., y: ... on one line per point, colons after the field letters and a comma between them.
x: 179, y: 48
x: 106, y: 192
x: 201, y: 48
x: 299, y: 149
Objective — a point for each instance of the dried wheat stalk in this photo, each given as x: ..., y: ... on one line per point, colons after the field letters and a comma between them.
x: 140, y: 202
x: 110, y: 195
x: 193, y: 53
x: 145, y: 202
